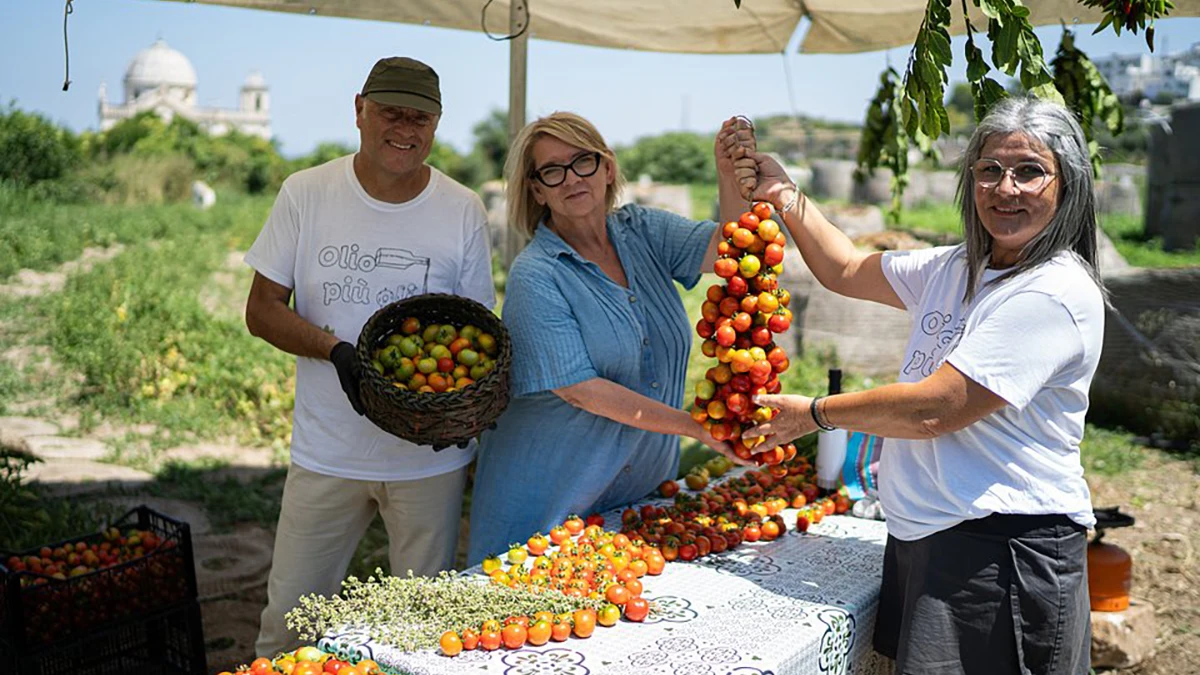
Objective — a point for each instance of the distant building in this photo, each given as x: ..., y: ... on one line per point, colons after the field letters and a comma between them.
x: 162, y: 79
x: 1175, y: 75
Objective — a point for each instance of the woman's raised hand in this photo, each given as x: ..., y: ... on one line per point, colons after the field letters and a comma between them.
x: 733, y: 143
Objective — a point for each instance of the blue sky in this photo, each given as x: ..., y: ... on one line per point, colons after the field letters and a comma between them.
x: 314, y: 65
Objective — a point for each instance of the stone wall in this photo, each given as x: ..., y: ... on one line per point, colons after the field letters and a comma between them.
x: 1173, y: 179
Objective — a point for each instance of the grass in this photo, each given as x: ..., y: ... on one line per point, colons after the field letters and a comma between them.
x: 1126, y: 232
x: 43, y: 235
x: 148, y: 351
x: 937, y: 218
x: 1109, y: 452
x: 704, y: 195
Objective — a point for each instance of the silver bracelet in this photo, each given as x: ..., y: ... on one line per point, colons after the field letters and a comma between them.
x: 792, y: 203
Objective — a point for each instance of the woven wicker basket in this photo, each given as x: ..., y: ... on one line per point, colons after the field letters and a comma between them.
x: 436, y: 419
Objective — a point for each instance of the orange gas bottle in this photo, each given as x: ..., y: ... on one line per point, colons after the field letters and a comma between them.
x: 1110, y: 568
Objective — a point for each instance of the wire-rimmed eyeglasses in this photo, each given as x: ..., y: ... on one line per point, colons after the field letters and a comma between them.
x: 1026, y: 176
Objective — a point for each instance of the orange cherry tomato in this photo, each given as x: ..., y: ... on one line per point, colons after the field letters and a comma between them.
x: 451, y: 643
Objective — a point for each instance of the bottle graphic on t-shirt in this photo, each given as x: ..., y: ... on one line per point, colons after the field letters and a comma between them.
x: 411, y: 278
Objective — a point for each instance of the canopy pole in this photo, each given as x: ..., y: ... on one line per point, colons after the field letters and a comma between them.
x: 518, y: 10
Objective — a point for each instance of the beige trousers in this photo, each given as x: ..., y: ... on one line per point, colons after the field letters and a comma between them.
x: 321, y: 520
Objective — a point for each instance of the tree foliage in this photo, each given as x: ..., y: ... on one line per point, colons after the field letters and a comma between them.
x: 674, y: 157
x: 34, y: 149
x: 1016, y: 52
x: 1084, y: 90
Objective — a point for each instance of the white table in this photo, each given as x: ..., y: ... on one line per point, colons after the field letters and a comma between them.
x: 803, y: 604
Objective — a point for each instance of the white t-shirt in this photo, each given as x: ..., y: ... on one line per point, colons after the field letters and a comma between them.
x: 1033, y: 340
x: 346, y: 255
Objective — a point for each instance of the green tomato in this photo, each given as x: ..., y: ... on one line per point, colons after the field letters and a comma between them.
x: 411, y: 346
x: 390, y: 356
x: 405, y: 370
x: 468, y: 357
x: 446, y: 334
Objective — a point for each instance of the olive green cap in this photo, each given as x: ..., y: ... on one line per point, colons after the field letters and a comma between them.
x: 399, y: 80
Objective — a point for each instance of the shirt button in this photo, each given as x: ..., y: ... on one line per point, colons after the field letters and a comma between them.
x: 646, y: 341
x: 633, y: 298
x: 626, y: 469
x: 654, y: 385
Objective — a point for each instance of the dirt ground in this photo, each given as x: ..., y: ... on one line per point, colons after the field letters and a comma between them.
x: 1163, y: 494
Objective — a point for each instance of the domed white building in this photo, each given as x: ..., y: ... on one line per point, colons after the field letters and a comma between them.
x: 162, y: 79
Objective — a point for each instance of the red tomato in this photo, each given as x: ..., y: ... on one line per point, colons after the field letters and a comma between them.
x: 574, y: 524
x: 585, y: 622
x: 725, y: 267
x: 762, y: 210
x: 595, y: 519
x: 637, y: 609
x: 560, y: 631
x: 514, y: 636
x: 489, y: 640
x: 539, y: 633
x: 736, y: 286
x: 559, y: 534
x: 470, y: 639
x: 617, y: 594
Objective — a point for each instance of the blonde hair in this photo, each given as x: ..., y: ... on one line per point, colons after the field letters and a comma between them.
x: 524, y: 212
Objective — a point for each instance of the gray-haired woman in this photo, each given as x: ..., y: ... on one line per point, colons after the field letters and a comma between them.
x: 984, y: 569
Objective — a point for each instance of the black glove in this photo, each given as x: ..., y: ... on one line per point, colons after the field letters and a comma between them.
x: 343, y: 357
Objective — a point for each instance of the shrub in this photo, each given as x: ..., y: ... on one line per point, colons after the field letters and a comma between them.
x: 34, y: 149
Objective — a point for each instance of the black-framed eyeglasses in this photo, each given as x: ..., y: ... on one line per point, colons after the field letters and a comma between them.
x: 1027, y: 176
x: 553, y: 175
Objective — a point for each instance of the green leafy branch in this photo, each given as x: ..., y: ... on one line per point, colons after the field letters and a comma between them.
x: 885, y: 139
x: 1131, y: 15
x: 1016, y: 51
x: 1084, y: 90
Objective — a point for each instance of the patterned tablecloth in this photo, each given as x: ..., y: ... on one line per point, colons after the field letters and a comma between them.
x: 802, y: 604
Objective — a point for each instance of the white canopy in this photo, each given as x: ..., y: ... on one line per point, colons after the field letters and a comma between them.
x: 692, y: 26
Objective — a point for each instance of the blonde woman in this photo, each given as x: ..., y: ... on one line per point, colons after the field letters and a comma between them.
x: 600, y: 338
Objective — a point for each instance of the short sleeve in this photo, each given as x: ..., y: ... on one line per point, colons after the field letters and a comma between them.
x: 549, y: 351
x: 681, y: 242
x: 475, y: 280
x: 1020, y: 347
x: 273, y: 253
x: 909, y: 271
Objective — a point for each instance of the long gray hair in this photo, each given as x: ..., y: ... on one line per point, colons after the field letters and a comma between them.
x: 1073, y: 225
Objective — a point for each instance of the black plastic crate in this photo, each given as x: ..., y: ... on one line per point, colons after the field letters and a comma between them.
x: 168, y: 642
x: 37, y: 610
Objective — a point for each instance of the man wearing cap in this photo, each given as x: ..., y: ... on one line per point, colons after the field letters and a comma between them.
x: 347, y: 238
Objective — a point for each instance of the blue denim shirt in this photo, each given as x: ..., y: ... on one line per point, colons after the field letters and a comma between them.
x: 569, y: 322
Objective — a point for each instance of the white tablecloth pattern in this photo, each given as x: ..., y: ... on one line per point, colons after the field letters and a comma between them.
x: 803, y: 604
